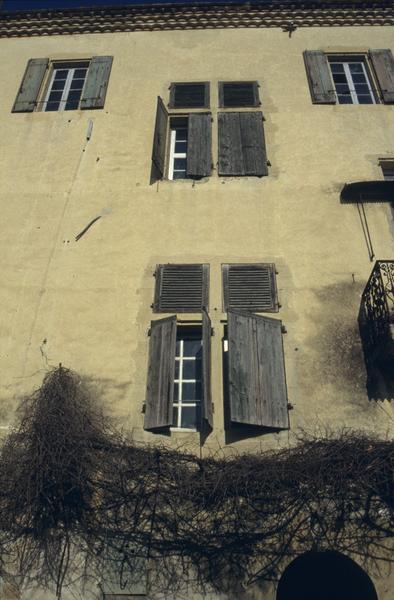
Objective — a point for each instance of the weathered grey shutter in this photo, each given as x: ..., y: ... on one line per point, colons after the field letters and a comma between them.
x: 26, y: 99
x: 159, y: 141
x: 319, y: 76
x: 199, y: 145
x: 256, y: 371
x: 242, y: 144
x: 206, y: 369
x: 189, y: 95
x: 181, y: 288
x: 95, y: 88
x: 250, y: 287
x: 161, y: 370
x: 383, y: 63
x: 236, y: 94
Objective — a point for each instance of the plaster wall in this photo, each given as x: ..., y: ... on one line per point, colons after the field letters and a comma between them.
x: 87, y: 304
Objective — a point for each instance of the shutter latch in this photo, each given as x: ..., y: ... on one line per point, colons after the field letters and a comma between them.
x: 283, y: 328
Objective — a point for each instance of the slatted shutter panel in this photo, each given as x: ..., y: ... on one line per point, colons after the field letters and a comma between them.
x: 206, y: 368
x: 242, y: 144
x: 189, y: 95
x: 96, y: 84
x: 319, y: 76
x: 159, y: 141
x: 237, y: 94
x: 199, y: 145
x: 257, y: 381
x: 383, y: 63
x: 161, y: 371
x: 250, y: 287
x: 181, y: 288
x: 26, y: 99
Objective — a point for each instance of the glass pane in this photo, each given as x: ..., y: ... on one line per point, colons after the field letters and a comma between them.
x: 177, y: 369
x: 179, y: 175
x: 345, y: 99
x: 339, y: 78
x: 191, y: 391
x: 336, y: 67
x: 188, y: 417
x: 191, y: 369
x: 51, y: 106
x: 342, y: 88
x: 77, y: 84
x: 180, y: 147
x: 356, y: 68
x: 180, y: 164
x: 359, y: 78
x: 61, y: 74
x: 175, y: 416
x: 362, y: 89
x: 73, y: 105
x: 176, y: 391
x: 191, y: 347
x: 80, y: 74
x: 55, y: 97
x: 58, y: 85
x: 365, y: 99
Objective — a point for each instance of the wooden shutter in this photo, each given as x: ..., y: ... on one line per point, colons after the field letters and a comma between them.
x: 26, y: 99
x: 257, y: 381
x: 95, y: 88
x: 383, y: 63
x: 206, y: 369
x: 236, y: 94
x: 181, y: 288
x: 161, y: 371
x: 319, y: 77
x: 189, y: 95
x: 242, y: 144
x: 159, y: 141
x: 250, y: 287
x: 199, y: 145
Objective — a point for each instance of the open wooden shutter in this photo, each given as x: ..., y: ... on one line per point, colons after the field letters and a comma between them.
x: 319, y: 76
x: 181, y: 288
x: 26, y: 99
x: 242, y: 144
x: 159, y: 141
x: 383, y: 63
x: 257, y: 381
x: 250, y: 287
x: 199, y: 145
x: 161, y: 371
x: 95, y: 88
x: 206, y: 368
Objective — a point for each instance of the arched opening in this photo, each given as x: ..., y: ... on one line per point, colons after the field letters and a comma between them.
x: 325, y: 576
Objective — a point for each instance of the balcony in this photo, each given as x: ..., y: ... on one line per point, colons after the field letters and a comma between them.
x: 376, y: 322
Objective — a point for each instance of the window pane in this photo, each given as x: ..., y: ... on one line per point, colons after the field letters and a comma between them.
x: 73, y: 105
x: 342, y: 88
x: 365, y: 99
x: 345, y: 99
x: 179, y: 175
x: 336, y: 67
x: 61, y: 74
x: 191, y: 347
x: 191, y: 369
x: 177, y: 369
x: 80, y: 74
x: 339, y: 78
x: 356, y: 68
x: 55, y: 97
x: 77, y: 84
x: 180, y: 147
x: 362, y: 89
x: 51, y: 106
x: 359, y: 78
x: 175, y: 416
x: 191, y: 391
x: 189, y: 417
x: 176, y: 391
x: 58, y: 84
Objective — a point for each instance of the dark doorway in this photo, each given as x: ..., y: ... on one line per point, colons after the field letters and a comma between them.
x: 325, y: 576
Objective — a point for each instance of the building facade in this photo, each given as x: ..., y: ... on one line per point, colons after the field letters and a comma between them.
x: 180, y: 224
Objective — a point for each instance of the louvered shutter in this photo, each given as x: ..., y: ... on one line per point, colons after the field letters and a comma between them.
x: 26, y: 99
x: 181, y: 288
x: 250, y: 287
x: 96, y: 84
x: 238, y: 94
x: 161, y: 371
x: 242, y: 144
x: 206, y: 369
x: 159, y: 141
x: 257, y: 383
x: 319, y: 77
x: 383, y: 63
x: 199, y: 145
x: 189, y: 95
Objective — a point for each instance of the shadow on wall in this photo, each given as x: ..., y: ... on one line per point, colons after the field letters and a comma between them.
x: 325, y: 576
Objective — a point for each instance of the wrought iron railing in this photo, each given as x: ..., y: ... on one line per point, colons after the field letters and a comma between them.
x: 376, y: 316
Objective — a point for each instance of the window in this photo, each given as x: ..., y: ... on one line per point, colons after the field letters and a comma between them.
x: 189, y: 95
x: 233, y: 94
x: 57, y: 85
x: 65, y: 86
x: 181, y: 145
x: 350, y: 78
x: 181, y: 288
x: 178, y: 388
x: 188, y: 379
x: 351, y: 81
x: 250, y: 287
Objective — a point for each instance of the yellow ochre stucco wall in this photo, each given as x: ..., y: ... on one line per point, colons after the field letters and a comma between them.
x: 87, y: 304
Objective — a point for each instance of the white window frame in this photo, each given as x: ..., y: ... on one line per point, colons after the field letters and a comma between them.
x: 345, y: 61
x: 173, y: 138
x: 178, y: 402
x: 57, y: 66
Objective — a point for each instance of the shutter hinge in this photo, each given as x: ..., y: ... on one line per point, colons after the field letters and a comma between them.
x: 213, y: 407
x: 283, y: 328
x: 143, y: 408
x: 290, y: 406
x: 212, y: 331
x: 269, y: 163
x: 149, y: 332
